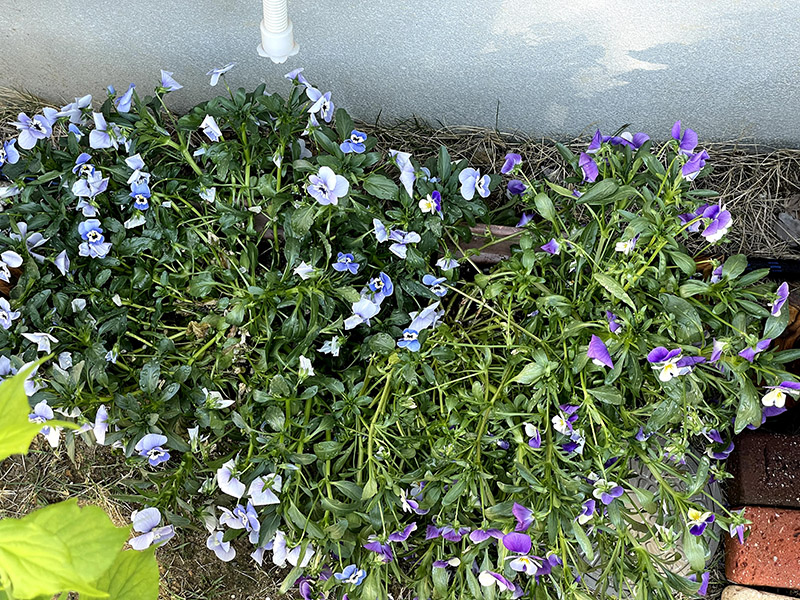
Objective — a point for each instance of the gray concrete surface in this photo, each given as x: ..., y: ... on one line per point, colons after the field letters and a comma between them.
x: 729, y: 69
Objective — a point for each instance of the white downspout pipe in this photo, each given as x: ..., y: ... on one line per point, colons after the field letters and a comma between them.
x: 277, y: 33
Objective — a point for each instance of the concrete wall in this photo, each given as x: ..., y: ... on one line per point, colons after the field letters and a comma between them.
x: 729, y: 68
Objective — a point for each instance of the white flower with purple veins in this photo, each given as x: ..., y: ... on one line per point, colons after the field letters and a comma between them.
x: 322, y: 103
x: 94, y: 244
x: 331, y: 346
x: 304, y: 270
x: 471, y: 182
x: 363, y: 311
x: 150, y: 447
x: 211, y: 129
x: 31, y: 130
x: 42, y: 341
x: 147, y: 523
x: 401, y: 239
x: 214, y: 400
x: 281, y: 553
x: 74, y: 110
x: 264, y: 490
x: 42, y: 413
x: 9, y: 260
x: 215, y: 73
x: 7, y: 316
x: 408, y: 174
x: 223, y: 550
x: 326, y: 187
x: 228, y: 482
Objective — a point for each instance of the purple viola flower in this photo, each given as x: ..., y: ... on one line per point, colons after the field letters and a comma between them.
x: 694, y: 165
x: 326, y: 187
x: 435, y: 284
x: 381, y: 287
x: 716, y: 350
x: 410, y: 340
x: 598, y: 352
x: 123, y: 103
x: 363, y: 311
x: 32, y: 129
x: 613, y: 324
x: 698, y: 521
x: 345, y: 262
x: 432, y: 203
x: 718, y: 223
x: 749, y: 353
x: 141, y: 196
x: 780, y: 299
x: 661, y: 355
x: 516, y: 187
x: 99, y: 136
x: 147, y: 523
x: 9, y: 153
x: 594, y: 145
x: 168, y: 83
x: 490, y: 579
x: 380, y: 230
x: 215, y: 73
x: 351, y: 574
x: 721, y: 454
x: 589, y: 168
x: 524, y: 517
x: 451, y: 534
x: 534, y: 436
x: 587, y: 511
x: 576, y: 442
x: 512, y: 160
x: 401, y: 239
x: 686, y: 142
x: 642, y: 436
x: 74, y: 110
x: 223, y: 550
x: 525, y: 219
x: 450, y: 562
x: 777, y: 395
x: 355, y: 143
x: 704, y: 579
x: 552, y: 247
x: 625, y: 138
x: 384, y: 550
x: 402, y: 536
x: 408, y: 174
x: 607, y: 491
x: 410, y: 500
x: 716, y: 275
x: 211, y: 129
x: 432, y: 532
x: 94, y: 244
x: 472, y: 181
x: 150, y: 447
x: 481, y: 535
x: 321, y: 103
x: 517, y: 542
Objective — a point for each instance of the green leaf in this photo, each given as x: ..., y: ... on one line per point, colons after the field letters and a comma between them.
x: 545, y: 206
x: 786, y: 356
x: 608, y: 395
x: 303, y: 523
x: 734, y: 266
x: 327, y: 450
x: 583, y: 541
x: 149, y: 375
x: 684, y: 262
x: 455, y: 491
x: 16, y: 431
x: 693, y: 288
x: 302, y: 220
x: 614, y: 288
x: 599, y: 192
x: 61, y: 547
x: 688, y: 326
x: 749, y: 410
x: 133, y: 576
x: 530, y: 373
x: 751, y: 277
x: 695, y: 551
x: 775, y: 326
x: 381, y: 187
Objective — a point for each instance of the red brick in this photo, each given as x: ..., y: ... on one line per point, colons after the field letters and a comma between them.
x: 771, y: 554
x: 766, y: 469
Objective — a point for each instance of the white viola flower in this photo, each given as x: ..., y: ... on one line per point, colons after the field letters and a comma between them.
x: 42, y: 341
x: 78, y: 304
x: 211, y: 129
x: 304, y: 270
x: 62, y: 262
x: 227, y: 482
x: 209, y: 194
x: 7, y: 316
x: 561, y: 425
x: 65, y: 360
x: 214, y: 400
x: 9, y: 260
x: 135, y: 221
x: 42, y: 413
x: 625, y: 247
x: 147, y: 523
x: 306, y: 368
x: 331, y: 346
x: 264, y: 490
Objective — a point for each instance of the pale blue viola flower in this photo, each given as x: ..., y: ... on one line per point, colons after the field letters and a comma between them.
x: 363, y: 311
x: 9, y: 153
x: 326, y: 187
x: 331, y: 346
x: 426, y: 318
x: 552, y: 247
x: 100, y: 427
x: 90, y: 187
x: 642, y: 435
x: 589, y: 168
x: 345, y: 262
x: 211, y: 129
x: 242, y: 518
x: 380, y: 287
x: 146, y: 522
x: 94, y: 244
x: 380, y: 230
x: 224, y: 551
x: 598, y: 352
x: 512, y: 160
x: 141, y: 196
x: 150, y: 447
x: 425, y: 175
x: 87, y: 208
x: 296, y: 75
x: 139, y: 175
x: 749, y: 353
x: 6, y: 370
x: 264, y: 490
x: 607, y: 491
x: 525, y: 219
x: 408, y: 174
x: 168, y: 83
x: 692, y: 167
x: 42, y: 341
x: 32, y: 129
x: 686, y: 142
x: 215, y: 73
x: 112, y: 356
x: 777, y: 393
x: 32, y: 240
x: 409, y: 341
x: 781, y: 295
x: 42, y: 413
x: 123, y: 103
x: 304, y: 152
x: 737, y: 529
x: 74, y: 110
x: 401, y: 239
x: 321, y: 103
x: 304, y: 270
x: 447, y: 264
x: 282, y: 554
x: 435, y: 284
x: 698, y: 521
x: 74, y: 130
x: 7, y: 316
x: 208, y: 194
x: 472, y: 181
x: 596, y: 142
x: 351, y: 574
x: 490, y: 579
x: 7, y: 191
x: 613, y: 324
x: 83, y: 168
x: 228, y: 483
x: 99, y: 136
x: 355, y: 143
x: 432, y: 203
x: 587, y: 511
x: 516, y: 187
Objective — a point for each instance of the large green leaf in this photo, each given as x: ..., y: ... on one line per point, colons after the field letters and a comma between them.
x: 133, y: 576
x: 16, y: 431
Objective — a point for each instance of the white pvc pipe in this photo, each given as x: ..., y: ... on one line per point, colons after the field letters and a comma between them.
x: 277, y: 33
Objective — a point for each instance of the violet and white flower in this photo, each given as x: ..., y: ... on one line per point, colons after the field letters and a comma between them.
x: 382, y: 549
x: 598, y: 352
x: 432, y: 203
x: 401, y: 239
x: 409, y: 501
x: 146, y: 522
x: 596, y: 142
x: 524, y: 517
x: 7, y: 316
x: 408, y: 174
x: 42, y: 413
x: 228, y: 483
x: 94, y: 244
x: 242, y: 518
x: 516, y: 188
x: 587, y: 511
x: 686, y: 142
x: 717, y: 221
x: 670, y: 364
x: 331, y: 346
x: 355, y: 143
x: 781, y: 295
x: 363, y: 311
x: 691, y: 169
x: 490, y: 579
x: 224, y: 551
x: 698, y: 521
x: 511, y: 161
x: 380, y: 288
x: 264, y: 490
x: 472, y: 181
x: 450, y: 562
x: 123, y: 103
x: 168, y: 83
x: 634, y: 141
x: 211, y: 129
x: 589, y: 168
x: 717, y: 347
x: 552, y: 247
x: 345, y: 262
x: 627, y: 246
x: 777, y: 393
x: 33, y: 129
x: 409, y: 341
x: 533, y: 434
x: 613, y: 324
x: 749, y: 353
x: 351, y: 574
x: 607, y: 491
x: 150, y: 447
x: 215, y: 73
x: 326, y: 187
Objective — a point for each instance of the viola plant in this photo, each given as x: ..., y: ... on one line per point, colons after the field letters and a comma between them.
x: 272, y: 317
